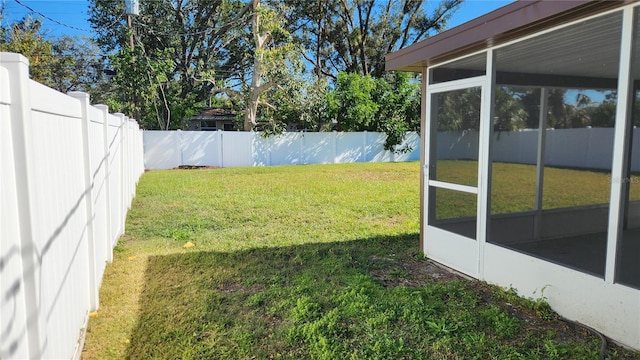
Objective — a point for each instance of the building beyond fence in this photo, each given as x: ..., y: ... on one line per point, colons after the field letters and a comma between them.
x: 68, y: 175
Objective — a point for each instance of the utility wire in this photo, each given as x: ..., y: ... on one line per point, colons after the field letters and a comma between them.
x: 49, y: 18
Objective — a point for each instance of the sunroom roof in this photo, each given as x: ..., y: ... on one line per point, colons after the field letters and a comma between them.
x: 520, y: 19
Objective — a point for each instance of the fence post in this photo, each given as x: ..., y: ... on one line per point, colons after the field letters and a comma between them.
x: 125, y: 166
x: 219, y: 133
x: 269, y: 149
x: 120, y: 196
x: 123, y: 172
x: 303, y: 153
x: 180, y: 145
x: 107, y: 177
x: 127, y: 156
x: 140, y: 158
x: 364, y: 146
x: 19, y: 84
x: 334, y: 146
x: 12, y: 309
x: 88, y: 196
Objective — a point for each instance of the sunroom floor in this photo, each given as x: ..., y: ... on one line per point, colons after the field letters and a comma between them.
x: 587, y: 253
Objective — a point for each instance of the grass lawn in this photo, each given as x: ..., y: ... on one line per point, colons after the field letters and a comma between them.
x: 514, y: 188
x: 303, y: 262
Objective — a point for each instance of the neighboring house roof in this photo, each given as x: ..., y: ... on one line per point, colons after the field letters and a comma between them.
x: 504, y: 24
x: 215, y: 114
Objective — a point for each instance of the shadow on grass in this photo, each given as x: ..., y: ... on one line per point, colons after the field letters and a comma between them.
x: 328, y: 300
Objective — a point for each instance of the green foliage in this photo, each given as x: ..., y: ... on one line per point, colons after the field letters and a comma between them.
x: 275, y: 90
x: 64, y: 63
x: 356, y: 103
x: 213, y: 50
x: 354, y: 36
x: 355, y: 107
x: 459, y: 110
x: 509, y: 113
x: 503, y: 324
x: 315, y: 106
x: 565, y: 111
x: 26, y: 37
x: 603, y: 115
x: 519, y: 108
x: 390, y: 104
x: 78, y: 66
x: 399, y: 111
x: 141, y: 87
x: 178, y: 45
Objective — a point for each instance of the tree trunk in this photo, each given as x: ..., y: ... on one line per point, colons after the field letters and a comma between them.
x: 251, y: 113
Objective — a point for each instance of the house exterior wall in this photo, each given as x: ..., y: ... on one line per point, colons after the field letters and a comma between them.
x: 612, y: 309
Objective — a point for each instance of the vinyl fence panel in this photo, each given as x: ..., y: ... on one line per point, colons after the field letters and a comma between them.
x: 350, y: 147
x: 69, y: 172
x: 319, y: 148
x: 170, y: 149
x: 201, y: 148
x: 238, y: 148
x: 162, y: 149
x: 589, y: 148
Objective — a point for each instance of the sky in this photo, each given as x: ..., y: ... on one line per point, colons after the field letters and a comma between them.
x: 69, y: 17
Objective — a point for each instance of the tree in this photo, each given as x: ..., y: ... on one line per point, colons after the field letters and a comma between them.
x: 314, y: 108
x: 273, y: 60
x: 300, y: 104
x: 276, y: 65
x: 390, y: 105
x: 26, y: 37
x: 200, y: 38
x: 78, y: 65
x: 248, y: 52
x: 459, y: 110
x: 603, y: 115
x: 354, y: 36
x: 352, y: 104
x: 509, y: 113
x: 529, y: 98
x: 399, y: 111
x: 64, y: 63
x: 140, y: 87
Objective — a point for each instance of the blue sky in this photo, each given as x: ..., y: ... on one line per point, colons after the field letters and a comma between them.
x: 69, y: 17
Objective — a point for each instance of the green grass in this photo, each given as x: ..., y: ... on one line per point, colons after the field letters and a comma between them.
x: 514, y: 188
x: 303, y: 262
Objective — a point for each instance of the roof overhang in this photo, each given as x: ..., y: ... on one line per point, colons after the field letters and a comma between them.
x: 515, y: 20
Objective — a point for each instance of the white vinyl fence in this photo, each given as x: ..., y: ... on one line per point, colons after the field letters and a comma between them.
x: 589, y: 148
x: 68, y: 175
x: 170, y: 149
x: 580, y: 148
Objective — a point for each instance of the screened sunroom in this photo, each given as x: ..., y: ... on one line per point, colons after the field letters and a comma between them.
x: 531, y: 155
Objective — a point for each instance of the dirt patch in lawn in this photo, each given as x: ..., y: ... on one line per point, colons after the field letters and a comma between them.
x: 195, y: 167
x: 533, y: 314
